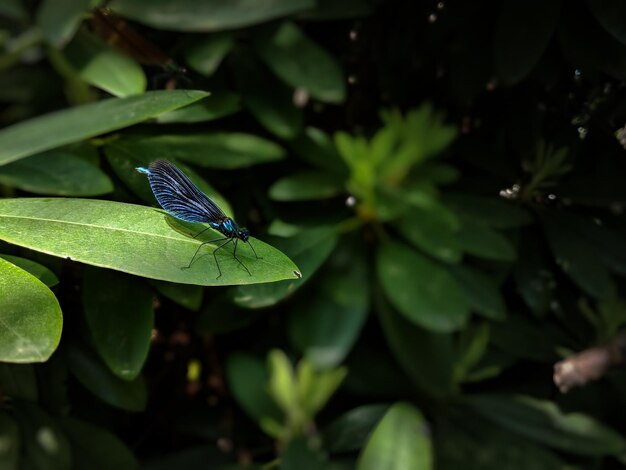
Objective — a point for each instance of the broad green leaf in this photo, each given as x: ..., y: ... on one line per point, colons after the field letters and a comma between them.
x: 185, y: 295
x: 30, y: 317
x: 473, y: 342
x: 96, y: 448
x: 99, y: 380
x: 544, y: 422
x: 56, y: 173
x: 119, y: 313
x: 282, y: 383
x: 325, y: 328
x: 300, y: 456
x: 83, y: 122
x: 215, y: 150
x: 190, y: 15
x: 103, y: 67
x: 494, y: 212
x: 515, y: 51
x: 45, y: 446
x: 301, y: 63
x: 409, y: 342
x: 38, y: 270
x: 400, y: 441
x: 611, y: 15
x: 420, y: 289
x: 316, y: 388
x: 478, y: 239
x: 134, y: 239
x: 125, y: 162
x: 206, y: 53
x: 18, y: 381
x: 350, y: 431
x: 481, y: 291
x: 59, y: 19
x: 308, y: 249
x: 9, y: 443
x: 268, y: 100
x: 317, y: 148
x: 220, y: 104
x: 306, y: 186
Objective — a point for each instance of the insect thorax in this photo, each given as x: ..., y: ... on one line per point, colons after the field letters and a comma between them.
x: 227, y: 227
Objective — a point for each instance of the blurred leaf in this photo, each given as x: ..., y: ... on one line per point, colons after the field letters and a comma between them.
x: 494, y: 212
x: 83, y: 122
x: 544, y: 422
x: 315, y: 388
x: 282, y: 382
x: 45, y: 446
x: 59, y: 19
x: 409, y: 343
x: 332, y: 10
x: 13, y: 9
x: 301, y: 63
x: 185, y: 295
x: 216, y: 150
x: 38, y: 270
x: 103, y: 67
x: 306, y: 186
x: 206, y: 53
x: 516, y: 52
x: 350, y: 431
x: 119, y: 313
x: 211, y: 319
x: 195, y: 457
x: 10, y: 438
x: 125, y: 162
x: 30, y: 317
x: 268, y: 100
x: 99, y: 380
x: 421, y: 290
x: 189, y: 15
x: 473, y: 343
x: 56, y: 173
x: 309, y: 249
x: 478, y: 239
x: 533, y: 274
x: 18, y: 381
x: 96, y: 448
x: 300, y: 456
x: 220, y: 104
x: 401, y: 440
x: 611, y: 15
x: 317, y: 148
x: 134, y: 239
x: 482, y: 292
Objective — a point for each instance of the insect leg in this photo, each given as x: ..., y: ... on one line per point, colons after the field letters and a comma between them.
x: 238, y: 260
x: 201, y: 232
x: 254, y: 251
x: 214, y: 256
x: 198, y: 249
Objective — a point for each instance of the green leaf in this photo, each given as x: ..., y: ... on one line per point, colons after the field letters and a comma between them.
x: 220, y: 104
x: 125, y: 162
x: 316, y: 388
x: 96, y: 448
x: 300, y: 456
x: 206, y: 54
x: 120, y: 317
x: 185, y: 295
x: 134, y: 239
x: 544, y: 422
x: 318, y: 148
x: 99, y: 380
x: 18, y: 381
x: 326, y: 327
x: 103, y: 67
x: 282, y: 384
x: 56, y: 173
x: 59, y: 19
x: 38, y: 270
x: 421, y: 290
x: 400, y: 441
x: 216, y: 150
x: 481, y: 291
x: 301, y: 63
x: 83, y: 122
x: 409, y: 342
x: 30, y: 317
x: 309, y: 250
x: 478, y: 239
x: 10, y: 440
x: 515, y: 51
x: 306, y: 186
x: 45, y: 446
x: 610, y: 14
x: 494, y: 212
x: 190, y: 15
x: 350, y: 431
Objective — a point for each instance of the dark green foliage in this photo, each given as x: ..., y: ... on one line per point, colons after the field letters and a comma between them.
x: 436, y: 194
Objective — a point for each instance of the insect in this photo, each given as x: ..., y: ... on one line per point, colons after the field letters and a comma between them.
x: 182, y: 199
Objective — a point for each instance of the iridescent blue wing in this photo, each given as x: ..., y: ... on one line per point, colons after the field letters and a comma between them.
x: 179, y: 196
